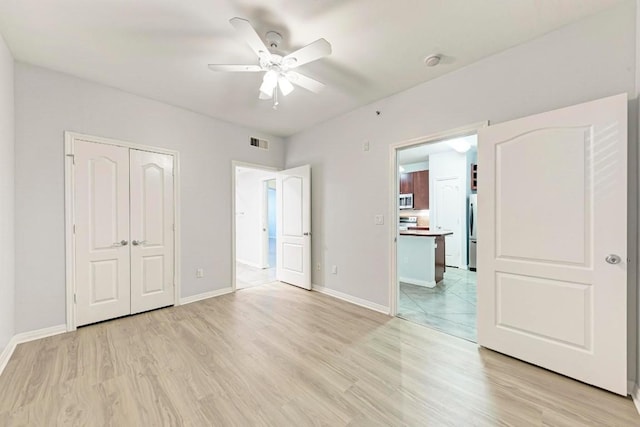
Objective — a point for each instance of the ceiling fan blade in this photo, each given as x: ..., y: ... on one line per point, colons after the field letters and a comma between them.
x: 243, y: 68
x: 304, y: 81
x: 244, y: 28
x: 310, y: 52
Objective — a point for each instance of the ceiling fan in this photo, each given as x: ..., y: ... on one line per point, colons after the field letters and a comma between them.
x: 279, y: 70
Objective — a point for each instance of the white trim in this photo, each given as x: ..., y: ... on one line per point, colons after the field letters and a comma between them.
x: 351, y: 299
x: 23, y: 337
x: 425, y: 283
x: 393, y: 196
x: 205, y: 295
x: 635, y: 396
x: 234, y: 165
x: 69, y: 140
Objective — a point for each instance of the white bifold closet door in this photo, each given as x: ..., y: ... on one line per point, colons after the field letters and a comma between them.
x: 124, y: 231
x: 101, y: 232
x: 151, y: 230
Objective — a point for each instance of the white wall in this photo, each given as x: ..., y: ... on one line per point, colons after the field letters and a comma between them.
x: 47, y: 104
x: 7, y: 248
x: 250, y: 215
x: 415, y: 167
x: 591, y: 59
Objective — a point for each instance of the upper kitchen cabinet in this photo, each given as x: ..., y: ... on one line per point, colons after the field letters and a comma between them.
x: 406, y: 183
x: 421, y: 190
x: 474, y: 177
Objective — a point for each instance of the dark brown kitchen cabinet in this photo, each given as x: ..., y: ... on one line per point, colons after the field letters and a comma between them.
x: 421, y: 190
x: 406, y: 183
x: 474, y: 177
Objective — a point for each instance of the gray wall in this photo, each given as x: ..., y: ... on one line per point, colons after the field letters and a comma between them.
x: 6, y: 196
x: 48, y: 103
x: 591, y: 59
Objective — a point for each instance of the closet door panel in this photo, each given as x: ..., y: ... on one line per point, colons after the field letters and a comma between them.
x: 101, y: 216
x: 152, y: 230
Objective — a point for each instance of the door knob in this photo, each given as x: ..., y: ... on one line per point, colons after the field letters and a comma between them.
x: 306, y: 234
x: 613, y: 259
x: 121, y: 243
x: 138, y: 242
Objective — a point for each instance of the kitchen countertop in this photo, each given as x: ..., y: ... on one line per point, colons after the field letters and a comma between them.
x: 426, y: 233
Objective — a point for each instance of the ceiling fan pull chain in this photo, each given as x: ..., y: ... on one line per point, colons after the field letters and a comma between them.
x: 275, y: 97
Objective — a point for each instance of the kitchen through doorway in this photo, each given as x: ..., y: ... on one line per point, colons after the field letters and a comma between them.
x: 255, y: 226
x: 436, y: 240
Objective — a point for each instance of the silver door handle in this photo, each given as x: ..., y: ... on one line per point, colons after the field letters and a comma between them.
x: 138, y: 242
x: 306, y: 234
x: 121, y: 243
x: 613, y: 259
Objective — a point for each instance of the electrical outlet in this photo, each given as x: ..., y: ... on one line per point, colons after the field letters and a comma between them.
x: 318, y: 266
x: 365, y: 146
x: 379, y: 219
x: 200, y: 273
x: 334, y: 269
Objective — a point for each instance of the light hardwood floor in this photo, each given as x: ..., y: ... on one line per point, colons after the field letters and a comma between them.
x: 281, y: 356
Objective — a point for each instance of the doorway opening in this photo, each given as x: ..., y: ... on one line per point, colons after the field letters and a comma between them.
x: 255, y: 226
x: 436, y: 194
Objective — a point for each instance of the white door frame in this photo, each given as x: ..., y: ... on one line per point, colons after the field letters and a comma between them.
x: 264, y: 256
x: 393, y: 196
x: 69, y: 140
x: 234, y: 166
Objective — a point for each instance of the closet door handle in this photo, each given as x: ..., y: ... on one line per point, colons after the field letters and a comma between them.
x: 138, y: 242
x: 121, y: 243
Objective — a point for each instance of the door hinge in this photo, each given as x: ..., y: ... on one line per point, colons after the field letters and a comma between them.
x: 74, y: 229
x: 174, y: 227
x: 73, y: 158
x: 75, y: 300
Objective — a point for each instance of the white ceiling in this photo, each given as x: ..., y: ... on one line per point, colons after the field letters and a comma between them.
x: 160, y: 49
x: 421, y: 153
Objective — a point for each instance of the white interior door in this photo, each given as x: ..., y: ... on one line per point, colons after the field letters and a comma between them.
x: 293, y: 213
x: 101, y: 215
x: 552, y: 224
x: 152, y: 231
x: 448, y: 215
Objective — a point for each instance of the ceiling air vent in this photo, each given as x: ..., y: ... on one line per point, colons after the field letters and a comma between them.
x: 260, y: 143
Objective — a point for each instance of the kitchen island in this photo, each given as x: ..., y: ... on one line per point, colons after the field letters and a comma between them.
x: 421, y: 256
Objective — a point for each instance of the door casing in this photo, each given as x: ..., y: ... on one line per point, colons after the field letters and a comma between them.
x: 234, y: 166
x: 69, y: 140
x: 393, y: 196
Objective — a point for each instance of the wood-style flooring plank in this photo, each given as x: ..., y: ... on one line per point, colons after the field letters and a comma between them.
x: 276, y: 355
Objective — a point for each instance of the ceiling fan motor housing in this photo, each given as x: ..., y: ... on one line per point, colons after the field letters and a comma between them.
x: 274, y: 39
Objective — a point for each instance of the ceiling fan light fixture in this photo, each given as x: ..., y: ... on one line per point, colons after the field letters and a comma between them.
x: 285, y: 85
x: 269, y: 82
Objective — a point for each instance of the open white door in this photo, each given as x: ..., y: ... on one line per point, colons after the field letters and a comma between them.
x: 552, y: 241
x: 293, y: 214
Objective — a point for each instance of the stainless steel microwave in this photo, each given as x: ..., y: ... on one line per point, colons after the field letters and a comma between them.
x: 406, y: 201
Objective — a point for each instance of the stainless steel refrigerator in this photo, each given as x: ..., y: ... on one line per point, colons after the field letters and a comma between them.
x: 473, y: 225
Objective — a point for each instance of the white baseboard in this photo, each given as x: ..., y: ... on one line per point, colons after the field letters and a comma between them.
x: 635, y: 395
x: 424, y: 283
x: 26, y: 337
x: 353, y: 300
x: 210, y: 294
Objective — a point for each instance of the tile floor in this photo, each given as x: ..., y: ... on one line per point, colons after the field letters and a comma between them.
x: 450, y: 307
x: 248, y: 276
